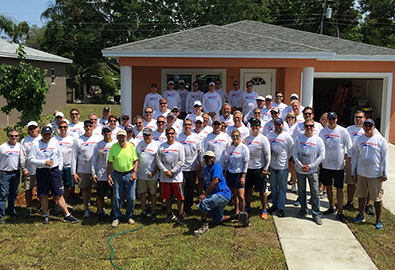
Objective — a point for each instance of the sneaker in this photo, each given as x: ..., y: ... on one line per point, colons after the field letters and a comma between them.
x: 379, y: 224
x: 369, y: 209
x: 29, y: 212
x: 323, y: 195
x: 142, y: 216
x: 317, y: 220
x: 153, y: 216
x: 349, y: 206
x: 264, y: 214
x: 102, y: 218
x: 87, y: 213
x: 243, y: 219
x: 329, y: 211
x: 301, y: 215
x: 131, y: 221
x: 248, y: 209
x: 115, y: 223
x: 341, y: 217
x: 280, y: 213
x: 12, y: 212
x: 272, y: 209
x: 297, y: 203
x: 70, y: 219
x: 202, y: 230
x: 294, y: 189
x: 148, y: 208
x: 164, y: 207
x: 359, y: 218
x: 46, y: 220
x: 170, y: 217
x: 180, y: 220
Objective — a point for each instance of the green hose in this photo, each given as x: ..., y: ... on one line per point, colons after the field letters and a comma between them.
x: 112, y: 249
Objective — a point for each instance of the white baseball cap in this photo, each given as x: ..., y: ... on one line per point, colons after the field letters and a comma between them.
x: 32, y: 123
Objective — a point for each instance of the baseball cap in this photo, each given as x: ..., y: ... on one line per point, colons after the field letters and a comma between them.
x: 295, y: 95
x: 175, y: 108
x: 197, y: 103
x: 199, y: 118
x: 369, y: 121
x: 216, y: 119
x: 59, y: 114
x: 32, y: 123
x: 154, y: 85
x: 212, y: 83
x: 261, y: 98
x: 275, y: 109
x: 209, y: 154
x: 278, y: 121
x: 46, y: 130
x: 255, y: 120
x: 169, y: 82
x: 106, y: 109
x: 125, y: 115
x: 332, y: 114
x: 121, y: 132
x: 171, y: 115
x: 89, y: 121
x: 269, y: 97
x: 147, y: 131
x: 105, y: 128
x: 128, y: 128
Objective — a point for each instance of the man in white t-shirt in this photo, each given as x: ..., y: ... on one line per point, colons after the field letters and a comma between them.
x: 266, y: 114
x: 218, y: 142
x: 278, y: 102
x: 163, y: 110
x: 75, y: 128
x: 308, y: 112
x: 222, y: 92
x: 289, y: 108
x: 152, y: 98
x: 149, y: 122
x: 159, y: 134
x: 183, y: 96
x: 260, y: 102
x: 212, y: 102
x: 197, y: 111
x: 236, y: 96
x: 227, y: 114
x: 172, y: 96
x: 192, y: 97
x: 249, y: 98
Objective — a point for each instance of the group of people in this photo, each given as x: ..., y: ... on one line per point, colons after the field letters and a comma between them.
x: 228, y: 149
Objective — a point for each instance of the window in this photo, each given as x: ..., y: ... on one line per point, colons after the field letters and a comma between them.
x: 53, y: 76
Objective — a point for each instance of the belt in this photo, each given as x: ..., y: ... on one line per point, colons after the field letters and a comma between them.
x: 48, y: 169
x: 125, y: 173
x: 10, y: 171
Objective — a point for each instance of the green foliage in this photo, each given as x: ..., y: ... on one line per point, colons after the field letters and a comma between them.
x: 24, y: 89
x: 16, y: 31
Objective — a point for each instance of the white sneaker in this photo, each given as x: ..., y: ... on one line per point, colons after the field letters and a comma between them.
x: 115, y: 223
x: 130, y: 221
x: 87, y: 213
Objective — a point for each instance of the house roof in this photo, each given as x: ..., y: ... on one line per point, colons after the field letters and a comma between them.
x: 7, y: 50
x: 250, y: 39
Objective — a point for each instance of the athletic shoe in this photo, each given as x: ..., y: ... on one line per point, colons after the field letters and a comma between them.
x: 148, y: 208
x: 115, y: 223
x: 280, y: 213
x: 87, y: 213
x: 248, y: 209
x: 180, y: 220
x: 272, y: 209
x: 29, y: 212
x: 301, y: 215
x: 142, y: 216
x: 297, y: 203
x: 12, y: 213
x: 349, y: 206
x: 317, y: 220
x: 243, y: 219
x: 70, y: 219
x: 329, y: 211
x: 170, y: 217
x: 264, y: 214
x: 46, y: 220
x: 153, y: 216
x: 323, y: 195
x: 102, y: 218
x: 341, y: 217
x: 359, y: 218
x: 294, y: 189
x: 164, y: 207
x: 369, y: 209
x: 379, y: 224
x: 131, y: 221
x: 202, y: 230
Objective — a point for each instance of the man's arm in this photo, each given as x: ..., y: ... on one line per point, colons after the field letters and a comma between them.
x: 211, y: 187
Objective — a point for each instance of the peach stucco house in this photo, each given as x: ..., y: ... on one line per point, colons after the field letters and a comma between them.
x: 317, y: 67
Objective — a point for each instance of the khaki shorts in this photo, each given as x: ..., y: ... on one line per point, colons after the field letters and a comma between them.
x: 348, y: 179
x: 29, y: 182
x: 144, y: 186
x: 85, y: 180
x: 372, y: 185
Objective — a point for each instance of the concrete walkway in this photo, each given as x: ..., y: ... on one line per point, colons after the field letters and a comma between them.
x: 331, y: 245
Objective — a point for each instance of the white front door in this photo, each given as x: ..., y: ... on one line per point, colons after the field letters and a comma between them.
x: 262, y: 80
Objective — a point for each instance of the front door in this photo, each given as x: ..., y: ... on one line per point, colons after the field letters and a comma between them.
x: 262, y: 82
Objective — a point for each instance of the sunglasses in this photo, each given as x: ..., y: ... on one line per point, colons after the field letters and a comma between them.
x: 13, y: 136
x: 216, y: 124
x: 112, y: 121
x: 279, y: 96
x: 308, y: 126
x: 63, y: 127
x: 358, y: 117
x: 368, y: 125
x: 74, y: 113
x: 125, y: 118
x: 196, y: 85
x: 307, y: 113
x: 147, y: 112
x: 235, y: 136
x: 88, y: 126
x: 217, y: 83
x: 293, y: 98
x: 32, y: 128
x: 146, y: 135
x: 181, y: 84
x: 93, y: 119
x: 249, y: 85
x: 160, y: 122
x: 274, y: 112
x: 170, y: 133
x: 171, y: 84
x: 163, y: 103
x: 187, y: 125
x: 106, y: 131
x: 255, y: 125
x: 235, y: 84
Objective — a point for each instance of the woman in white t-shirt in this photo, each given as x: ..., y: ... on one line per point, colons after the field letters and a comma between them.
x: 291, y: 121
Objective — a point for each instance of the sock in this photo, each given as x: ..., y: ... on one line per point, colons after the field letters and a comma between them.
x: 66, y: 216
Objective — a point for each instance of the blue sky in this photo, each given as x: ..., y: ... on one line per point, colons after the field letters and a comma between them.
x: 24, y: 10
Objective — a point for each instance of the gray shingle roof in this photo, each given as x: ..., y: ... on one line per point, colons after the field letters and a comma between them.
x: 8, y: 49
x: 250, y: 39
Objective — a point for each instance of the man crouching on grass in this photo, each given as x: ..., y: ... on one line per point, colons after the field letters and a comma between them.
x: 216, y: 196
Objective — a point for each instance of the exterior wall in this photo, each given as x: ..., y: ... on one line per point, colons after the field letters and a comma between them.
x: 56, y: 98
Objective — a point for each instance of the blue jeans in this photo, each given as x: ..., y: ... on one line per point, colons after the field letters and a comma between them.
x: 315, y: 198
x: 214, y: 203
x: 278, y: 183
x: 9, y: 183
x: 123, y: 183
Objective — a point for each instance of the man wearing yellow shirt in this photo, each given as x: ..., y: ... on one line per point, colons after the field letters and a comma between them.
x: 123, y: 158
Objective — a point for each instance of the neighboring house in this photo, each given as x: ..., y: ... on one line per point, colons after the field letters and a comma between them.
x: 56, y: 77
x: 275, y: 58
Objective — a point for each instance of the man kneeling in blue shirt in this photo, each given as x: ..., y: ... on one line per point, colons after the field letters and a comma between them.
x: 216, y: 196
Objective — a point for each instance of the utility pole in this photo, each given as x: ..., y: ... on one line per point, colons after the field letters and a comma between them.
x: 326, y: 14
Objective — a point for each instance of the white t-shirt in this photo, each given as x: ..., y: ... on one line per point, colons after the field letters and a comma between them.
x: 183, y: 95
x: 152, y: 100
x: 159, y: 137
x: 10, y: 157
x: 335, y: 140
x: 280, y: 106
x: 228, y: 120
x: 26, y: 145
x: 236, y: 98
x: 281, y: 149
x: 207, y: 129
x: 159, y: 113
x: 173, y: 99
x: 81, y: 157
x: 212, y: 102
x: 308, y: 151
x: 356, y: 132
x: 191, y: 98
x: 245, y: 132
x: 41, y: 152
x: 219, y: 145
x: 201, y: 135
x: 114, y: 133
x: 249, y: 102
x: 238, y: 158
x: 147, y: 159
x: 170, y: 157
x: 288, y: 109
x: 66, y: 148
x: 192, y: 148
x: 152, y: 124
x: 299, y: 129
x: 259, y: 149
x: 266, y: 116
x: 100, y: 158
x: 269, y: 127
x: 223, y: 94
x: 76, y: 130
x: 370, y: 157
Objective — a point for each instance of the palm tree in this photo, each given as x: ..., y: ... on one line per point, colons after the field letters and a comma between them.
x: 16, y: 32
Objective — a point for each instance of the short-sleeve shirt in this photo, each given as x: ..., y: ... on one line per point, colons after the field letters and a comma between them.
x: 123, y: 158
x: 221, y: 188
